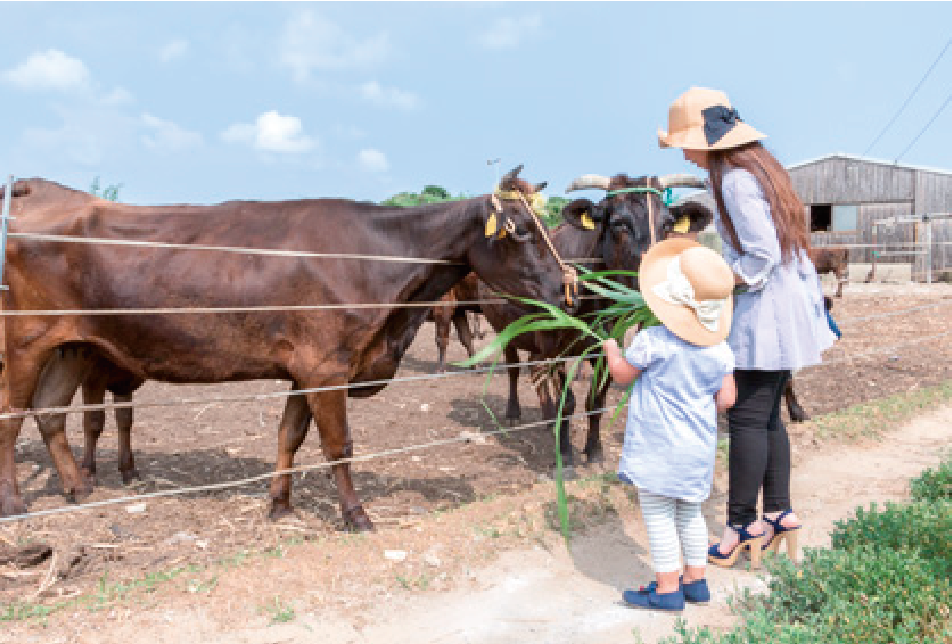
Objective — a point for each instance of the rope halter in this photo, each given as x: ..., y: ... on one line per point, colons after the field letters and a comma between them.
x: 569, y: 274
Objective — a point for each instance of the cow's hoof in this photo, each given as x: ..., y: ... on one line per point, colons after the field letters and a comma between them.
x: 799, y: 417
x: 513, y: 413
x: 357, y: 520
x: 128, y: 476
x: 568, y: 473
x: 89, y: 475
x: 280, y: 509
x: 11, y: 505
x: 595, y: 456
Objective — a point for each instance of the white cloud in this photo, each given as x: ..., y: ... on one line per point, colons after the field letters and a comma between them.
x: 165, y: 135
x: 508, y: 33
x: 311, y: 42
x: 271, y: 132
x: 389, y: 96
x: 172, y: 50
x: 52, y: 70
x: 117, y: 97
x: 372, y: 160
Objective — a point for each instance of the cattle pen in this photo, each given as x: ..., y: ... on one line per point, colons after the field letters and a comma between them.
x: 427, y: 446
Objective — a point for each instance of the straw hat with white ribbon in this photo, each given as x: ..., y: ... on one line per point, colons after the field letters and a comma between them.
x: 688, y: 287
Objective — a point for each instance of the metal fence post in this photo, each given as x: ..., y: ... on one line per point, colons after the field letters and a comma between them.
x: 928, y: 222
x: 7, y: 198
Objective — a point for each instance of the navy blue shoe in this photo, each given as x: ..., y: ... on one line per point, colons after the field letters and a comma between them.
x: 751, y: 543
x: 695, y: 592
x: 651, y: 600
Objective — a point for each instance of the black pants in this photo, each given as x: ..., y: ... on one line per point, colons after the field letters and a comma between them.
x: 759, y: 446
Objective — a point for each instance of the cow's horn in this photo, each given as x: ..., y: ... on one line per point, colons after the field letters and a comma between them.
x: 512, y: 174
x: 681, y: 181
x: 588, y: 181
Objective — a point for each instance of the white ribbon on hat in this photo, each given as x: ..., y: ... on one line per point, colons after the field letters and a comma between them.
x: 677, y: 289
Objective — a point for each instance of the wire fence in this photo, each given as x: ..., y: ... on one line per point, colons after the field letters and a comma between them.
x: 294, y: 392
x: 135, y: 498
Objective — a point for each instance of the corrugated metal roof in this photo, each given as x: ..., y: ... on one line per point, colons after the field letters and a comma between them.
x: 854, y: 157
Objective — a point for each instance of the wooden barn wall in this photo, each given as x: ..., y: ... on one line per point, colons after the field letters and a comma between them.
x: 933, y: 193
x: 845, y: 181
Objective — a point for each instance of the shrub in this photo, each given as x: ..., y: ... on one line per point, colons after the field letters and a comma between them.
x: 886, y: 580
x: 934, y: 485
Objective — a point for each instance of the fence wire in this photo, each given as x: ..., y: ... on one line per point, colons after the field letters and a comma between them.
x: 293, y: 470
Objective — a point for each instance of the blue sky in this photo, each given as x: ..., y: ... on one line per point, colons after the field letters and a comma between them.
x: 203, y: 102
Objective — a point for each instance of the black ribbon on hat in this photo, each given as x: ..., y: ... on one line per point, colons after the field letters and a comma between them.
x: 718, y: 121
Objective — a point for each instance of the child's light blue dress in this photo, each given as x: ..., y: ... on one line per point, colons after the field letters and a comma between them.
x: 671, y: 433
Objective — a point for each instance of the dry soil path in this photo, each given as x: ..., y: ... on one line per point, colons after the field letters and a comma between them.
x: 572, y: 596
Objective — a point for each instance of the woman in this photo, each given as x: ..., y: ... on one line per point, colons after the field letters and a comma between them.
x: 779, y: 320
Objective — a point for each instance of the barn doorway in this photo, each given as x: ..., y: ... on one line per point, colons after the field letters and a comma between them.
x: 821, y: 218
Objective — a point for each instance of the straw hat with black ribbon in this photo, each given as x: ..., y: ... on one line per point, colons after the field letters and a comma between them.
x: 688, y: 287
x: 703, y: 119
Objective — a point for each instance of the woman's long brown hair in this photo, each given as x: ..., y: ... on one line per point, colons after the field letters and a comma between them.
x: 785, y: 206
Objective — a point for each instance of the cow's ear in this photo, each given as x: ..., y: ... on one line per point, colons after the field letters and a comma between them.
x: 495, y: 225
x: 582, y: 214
x: 690, y: 217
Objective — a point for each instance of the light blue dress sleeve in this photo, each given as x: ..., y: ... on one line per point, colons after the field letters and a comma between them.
x: 750, y: 213
x: 643, y: 350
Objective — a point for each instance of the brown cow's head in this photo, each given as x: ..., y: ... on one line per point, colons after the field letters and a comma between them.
x: 621, y: 217
x: 515, y: 257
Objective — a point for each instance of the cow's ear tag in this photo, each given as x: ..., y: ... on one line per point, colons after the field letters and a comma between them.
x: 682, y: 225
x: 491, y: 225
x: 587, y: 222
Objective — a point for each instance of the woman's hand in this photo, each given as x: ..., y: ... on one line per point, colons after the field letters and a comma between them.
x: 610, y: 346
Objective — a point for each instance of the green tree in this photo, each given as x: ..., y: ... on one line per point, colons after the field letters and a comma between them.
x: 110, y: 193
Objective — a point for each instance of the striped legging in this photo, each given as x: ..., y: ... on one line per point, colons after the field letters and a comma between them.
x: 673, y: 524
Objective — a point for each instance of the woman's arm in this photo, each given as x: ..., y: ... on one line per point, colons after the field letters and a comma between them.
x: 622, y: 371
x: 749, y: 211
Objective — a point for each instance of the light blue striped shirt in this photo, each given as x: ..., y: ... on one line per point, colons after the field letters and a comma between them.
x: 671, y: 433
x: 780, y: 322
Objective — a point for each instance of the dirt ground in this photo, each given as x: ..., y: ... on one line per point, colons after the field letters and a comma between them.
x: 216, y: 557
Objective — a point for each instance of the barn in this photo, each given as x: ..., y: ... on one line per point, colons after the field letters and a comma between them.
x: 881, y: 208
x: 878, y: 208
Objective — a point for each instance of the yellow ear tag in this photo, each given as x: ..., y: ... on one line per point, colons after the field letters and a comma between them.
x: 587, y: 222
x: 491, y: 225
x: 683, y: 225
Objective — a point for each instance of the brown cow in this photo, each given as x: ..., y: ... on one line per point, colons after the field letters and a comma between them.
x: 615, y: 232
x: 449, y: 312
x: 832, y: 259
x: 796, y: 411
x: 326, y: 348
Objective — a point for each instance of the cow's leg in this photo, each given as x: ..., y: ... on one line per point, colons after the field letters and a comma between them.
x: 797, y: 414
x: 550, y: 390
x: 513, y: 411
x: 294, y: 423
x: 61, y: 377
x: 127, y: 466
x: 18, y: 381
x: 841, y: 280
x: 477, y: 328
x: 441, y: 321
x: 94, y: 393
x: 593, y: 441
x: 330, y: 413
x: 465, y: 335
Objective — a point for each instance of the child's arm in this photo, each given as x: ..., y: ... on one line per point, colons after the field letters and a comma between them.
x: 622, y: 371
x: 727, y: 395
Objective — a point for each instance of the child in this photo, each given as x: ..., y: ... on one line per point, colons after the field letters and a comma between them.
x: 685, y: 367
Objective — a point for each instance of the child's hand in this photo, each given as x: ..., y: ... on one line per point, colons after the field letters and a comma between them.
x: 610, y: 345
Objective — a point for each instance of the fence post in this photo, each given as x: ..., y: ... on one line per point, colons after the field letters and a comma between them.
x: 7, y: 198
x: 928, y: 222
